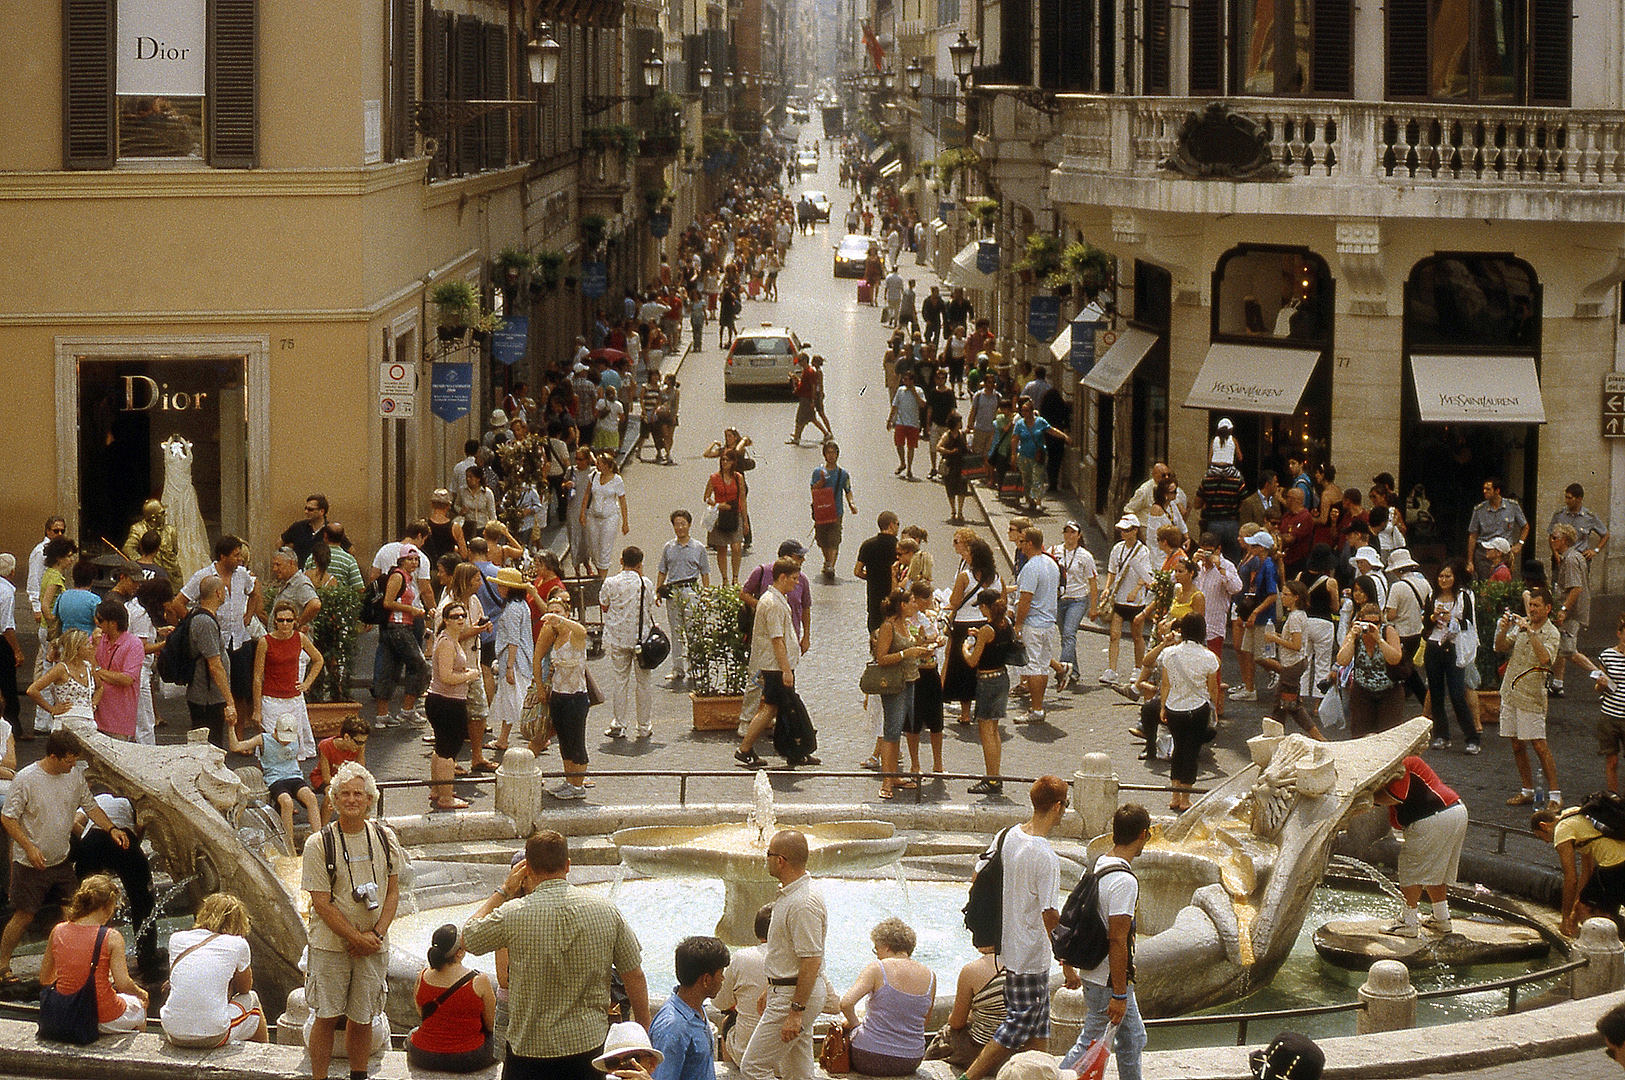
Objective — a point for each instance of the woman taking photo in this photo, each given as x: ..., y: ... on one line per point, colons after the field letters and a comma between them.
x: 563, y: 642
x: 1376, y: 701
x: 459, y: 1010
x: 891, y: 1039
x: 977, y: 571
x: 1190, y: 685
x: 985, y: 651
x: 601, y: 512
x: 84, y: 947
x: 727, y: 491
x: 1452, y: 613
x: 211, y: 984
x: 447, y: 705
x: 893, y: 644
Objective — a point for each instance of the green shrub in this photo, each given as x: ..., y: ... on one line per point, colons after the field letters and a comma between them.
x: 718, y: 663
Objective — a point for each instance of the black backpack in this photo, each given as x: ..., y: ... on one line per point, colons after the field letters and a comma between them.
x: 176, y: 662
x: 373, y: 612
x: 984, y: 910
x: 1606, y: 811
x: 1081, y: 938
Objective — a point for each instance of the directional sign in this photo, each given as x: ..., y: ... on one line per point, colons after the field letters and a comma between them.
x: 451, y: 389
x: 1613, y: 406
x: 397, y: 390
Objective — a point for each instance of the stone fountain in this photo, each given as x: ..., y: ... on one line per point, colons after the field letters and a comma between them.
x: 737, y: 855
x: 1224, y: 890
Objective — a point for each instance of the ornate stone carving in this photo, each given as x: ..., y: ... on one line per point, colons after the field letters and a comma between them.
x: 1127, y: 227
x: 1218, y: 143
x: 1359, y: 257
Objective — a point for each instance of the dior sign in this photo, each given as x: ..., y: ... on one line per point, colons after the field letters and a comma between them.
x: 143, y: 393
x: 162, y: 47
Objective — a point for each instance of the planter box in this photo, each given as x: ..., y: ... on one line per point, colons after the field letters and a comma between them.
x: 327, y: 717
x: 716, y: 713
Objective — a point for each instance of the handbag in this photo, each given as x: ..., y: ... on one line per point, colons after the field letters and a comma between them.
x: 1467, y: 637
x: 836, y: 1056
x: 655, y: 646
x: 708, y: 520
x: 595, y: 696
x: 429, y: 1008
x: 881, y: 678
x: 73, y: 1018
x: 1015, y: 653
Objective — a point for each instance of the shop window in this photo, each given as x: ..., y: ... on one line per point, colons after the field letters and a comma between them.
x: 1276, y: 47
x: 1471, y: 301
x: 1277, y: 293
x: 172, y: 81
x: 1493, y: 51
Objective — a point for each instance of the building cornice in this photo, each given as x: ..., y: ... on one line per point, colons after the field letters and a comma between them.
x: 205, y: 183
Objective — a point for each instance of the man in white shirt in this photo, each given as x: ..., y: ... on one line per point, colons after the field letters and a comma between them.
x: 628, y: 600
x: 1407, y: 603
x: 1109, y: 987
x: 744, y: 983
x: 1139, y: 504
x: 782, y: 1042
x: 1080, y: 592
x: 773, y: 658
x: 683, y: 565
x: 55, y: 528
x: 1039, y: 588
x: 1031, y: 885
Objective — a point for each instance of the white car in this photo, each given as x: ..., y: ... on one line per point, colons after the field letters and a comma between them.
x: 820, y: 204
x: 761, y: 358
x: 807, y: 161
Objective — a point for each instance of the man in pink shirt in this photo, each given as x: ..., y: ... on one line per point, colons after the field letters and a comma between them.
x: 118, y: 669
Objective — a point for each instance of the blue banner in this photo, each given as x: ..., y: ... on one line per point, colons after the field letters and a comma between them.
x: 987, y: 256
x: 451, y: 389
x: 1083, y: 345
x: 659, y: 225
x: 1044, y: 317
x: 594, y: 279
x: 945, y: 209
x: 508, y: 342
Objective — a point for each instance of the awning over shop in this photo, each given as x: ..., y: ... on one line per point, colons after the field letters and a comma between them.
x: 879, y: 151
x: 910, y: 187
x: 891, y: 168
x: 1061, y: 347
x: 1478, y: 389
x: 1112, y: 370
x: 964, y: 273
x: 1252, y: 378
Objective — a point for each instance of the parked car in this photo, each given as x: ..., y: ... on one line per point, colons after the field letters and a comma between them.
x: 764, y: 358
x: 807, y: 161
x: 820, y: 204
x: 851, y: 253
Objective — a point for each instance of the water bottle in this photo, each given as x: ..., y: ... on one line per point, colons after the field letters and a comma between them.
x: 1540, y: 797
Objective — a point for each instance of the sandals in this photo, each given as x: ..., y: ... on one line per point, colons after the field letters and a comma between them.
x: 485, y: 767
x: 886, y: 793
x: 458, y: 770
x: 869, y: 763
x: 449, y: 804
x: 903, y: 784
x: 10, y: 979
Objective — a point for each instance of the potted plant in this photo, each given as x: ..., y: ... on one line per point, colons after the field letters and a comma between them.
x: 953, y: 160
x: 513, y: 262
x: 334, y: 632
x: 1491, y: 599
x: 592, y: 230
x: 622, y: 137
x: 483, y: 326
x: 718, y: 661
x: 1042, y: 258
x: 1084, y: 267
x: 550, y: 267
x: 456, y: 300
x: 985, y: 211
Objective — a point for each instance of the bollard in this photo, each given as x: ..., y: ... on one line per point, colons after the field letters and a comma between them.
x: 1599, y: 944
x: 519, y: 789
x: 1388, y: 997
x: 1094, y: 794
x: 1068, y: 1009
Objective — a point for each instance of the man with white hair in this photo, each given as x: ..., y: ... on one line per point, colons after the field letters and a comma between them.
x: 351, y: 870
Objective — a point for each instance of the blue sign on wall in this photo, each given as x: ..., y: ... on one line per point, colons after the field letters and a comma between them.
x: 987, y: 256
x: 1044, y: 317
x: 945, y: 209
x: 1083, y: 345
x: 508, y: 342
x: 659, y: 225
x: 594, y: 279
x: 451, y: 389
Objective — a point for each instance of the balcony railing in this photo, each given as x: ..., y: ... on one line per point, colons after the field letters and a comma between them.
x: 1408, y: 141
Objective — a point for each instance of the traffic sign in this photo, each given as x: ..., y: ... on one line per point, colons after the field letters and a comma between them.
x: 1613, y: 406
x: 397, y: 390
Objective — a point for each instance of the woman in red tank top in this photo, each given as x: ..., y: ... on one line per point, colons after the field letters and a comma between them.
x: 278, y: 689
x: 458, y: 1007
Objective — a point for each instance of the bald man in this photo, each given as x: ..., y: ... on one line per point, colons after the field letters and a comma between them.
x: 782, y: 1041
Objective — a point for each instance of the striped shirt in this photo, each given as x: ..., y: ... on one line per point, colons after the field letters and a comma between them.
x: 562, y: 945
x: 1612, y: 662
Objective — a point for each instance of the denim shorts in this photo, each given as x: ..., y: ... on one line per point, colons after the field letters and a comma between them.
x: 992, y: 692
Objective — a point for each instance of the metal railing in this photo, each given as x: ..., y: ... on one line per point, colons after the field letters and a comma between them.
x: 1242, y: 1020
x: 1504, y: 831
x: 683, y: 776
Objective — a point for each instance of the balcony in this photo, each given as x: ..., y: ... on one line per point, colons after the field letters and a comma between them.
x: 1388, y: 159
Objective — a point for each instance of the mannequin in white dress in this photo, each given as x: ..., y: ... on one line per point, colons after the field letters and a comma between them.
x: 180, y: 497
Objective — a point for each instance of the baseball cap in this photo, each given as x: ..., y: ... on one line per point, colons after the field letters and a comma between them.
x: 1500, y: 543
x: 1262, y: 539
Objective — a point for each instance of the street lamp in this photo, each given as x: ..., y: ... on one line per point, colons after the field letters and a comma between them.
x: 914, y: 75
x: 543, y: 59
x: 728, y: 78
x: 886, y: 78
x: 653, y: 68
x: 963, y: 54
x: 706, y: 75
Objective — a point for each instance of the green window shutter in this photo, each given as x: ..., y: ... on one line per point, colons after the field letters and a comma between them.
x: 1156, y: 58
x: 468, y: 53
x: 496, y: 89
x: 401, y: 142
x: 89, y: 134
x: 232, y: 85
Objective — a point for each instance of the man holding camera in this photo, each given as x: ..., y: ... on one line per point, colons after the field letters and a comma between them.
x: 351, y: 870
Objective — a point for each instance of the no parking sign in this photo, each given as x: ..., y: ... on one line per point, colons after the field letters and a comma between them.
x: 397, y: 390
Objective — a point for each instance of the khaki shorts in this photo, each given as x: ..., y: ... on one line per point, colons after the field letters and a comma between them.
x: 341, y: 985
x: 1568, y: 635
x: 1610, y: 735
x: 1252, y: 638
x: 1526, y: 725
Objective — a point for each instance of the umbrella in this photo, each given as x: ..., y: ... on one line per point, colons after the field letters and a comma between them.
x: 609, y: 356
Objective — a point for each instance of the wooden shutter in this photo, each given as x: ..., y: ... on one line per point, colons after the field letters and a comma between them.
x: 494, y: 87
x: 1407, y: 48
x: 1155, y: 79
x: 437, y: 82
x: 89, y: 134
x: 400, y: 140
x: 468, y: 52
x: 1332, y: 66
x: 1549, y: 51
x: 1207, y: 46
x: 233, y: 85
x: 1049, y: 44
x: 1107, y: 53
x: 1015, y: 42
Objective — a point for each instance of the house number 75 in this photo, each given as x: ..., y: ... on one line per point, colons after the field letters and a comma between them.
x: 285, y: 343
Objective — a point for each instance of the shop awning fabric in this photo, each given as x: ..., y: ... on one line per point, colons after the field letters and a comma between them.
x: 1252, y: 378
x: 910, y: 187
x: 879, y: 151
x: 964, y: 273
x: 1477, y: 389
x: 1113, y: 370
x: 1061, y: 347
x: 891, y: 168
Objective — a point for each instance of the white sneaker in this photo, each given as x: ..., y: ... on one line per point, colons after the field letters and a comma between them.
x: 614, y: 733
x: 649, y: 734
x: 1109, y: 677
x: 1241, y: 693
x: 1439, y: 926
x: 567, y: 790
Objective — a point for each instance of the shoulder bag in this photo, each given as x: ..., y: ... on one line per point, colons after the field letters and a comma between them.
x: 836, y: 1057
x: 73, y: 1018
x: 429, y: 1008
x: 655, y: 646
x: 883, y: 679
x: 1467, y: 636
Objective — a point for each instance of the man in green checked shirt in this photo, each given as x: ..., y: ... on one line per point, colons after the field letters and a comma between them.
x: 561, y: 946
